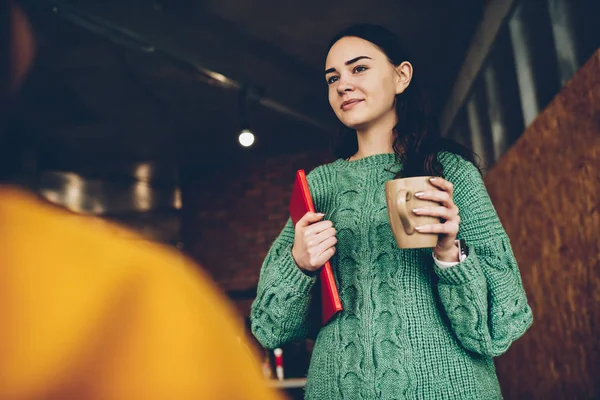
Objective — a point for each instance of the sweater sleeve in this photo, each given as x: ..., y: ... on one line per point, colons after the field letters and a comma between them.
x: 280, y: 312
x: 483, y: 296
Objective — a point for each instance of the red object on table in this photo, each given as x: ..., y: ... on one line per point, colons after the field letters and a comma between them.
x: 300, y: 203
x: 279, y: 363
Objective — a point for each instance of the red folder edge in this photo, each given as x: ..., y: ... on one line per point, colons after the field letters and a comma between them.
x: 300, y: 203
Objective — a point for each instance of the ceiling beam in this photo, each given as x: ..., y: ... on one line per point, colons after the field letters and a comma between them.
x: 211, y: 47
x: 494, y: 16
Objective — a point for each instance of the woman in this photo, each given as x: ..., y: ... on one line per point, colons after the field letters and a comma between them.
x: 414, y: 324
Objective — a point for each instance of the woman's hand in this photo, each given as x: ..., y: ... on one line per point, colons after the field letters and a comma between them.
x: 314, y: 242
x: 445, y: 250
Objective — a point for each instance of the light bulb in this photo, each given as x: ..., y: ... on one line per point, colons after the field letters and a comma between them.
x: 246, y: 138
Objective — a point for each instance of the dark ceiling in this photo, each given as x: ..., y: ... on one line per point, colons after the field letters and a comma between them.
x: 118, y: 83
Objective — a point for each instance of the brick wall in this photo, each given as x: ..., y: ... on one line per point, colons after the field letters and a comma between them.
x: 231, y: 217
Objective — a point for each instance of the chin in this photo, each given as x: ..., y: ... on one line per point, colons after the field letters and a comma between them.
x: 354, y: 121
x: 355, y: 126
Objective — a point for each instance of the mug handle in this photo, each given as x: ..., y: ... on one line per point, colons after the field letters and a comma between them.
x: 403, y: 196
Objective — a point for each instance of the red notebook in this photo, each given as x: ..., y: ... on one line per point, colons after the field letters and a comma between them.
x: 300, y: 203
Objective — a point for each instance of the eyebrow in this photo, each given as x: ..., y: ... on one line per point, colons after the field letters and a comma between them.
x: 349, y: 62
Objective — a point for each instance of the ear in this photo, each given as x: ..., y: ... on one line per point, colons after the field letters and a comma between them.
x: 404, y: 73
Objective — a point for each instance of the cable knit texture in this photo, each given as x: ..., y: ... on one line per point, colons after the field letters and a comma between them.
x: 409, y: 330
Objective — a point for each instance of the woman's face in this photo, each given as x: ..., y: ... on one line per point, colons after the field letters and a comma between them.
x: 363, y: 84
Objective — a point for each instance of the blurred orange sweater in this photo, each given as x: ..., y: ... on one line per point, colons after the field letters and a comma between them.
x: 86, y: 314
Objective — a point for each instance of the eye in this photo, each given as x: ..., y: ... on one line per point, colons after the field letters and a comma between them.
x: 331, y: 79
x: 359, y: 68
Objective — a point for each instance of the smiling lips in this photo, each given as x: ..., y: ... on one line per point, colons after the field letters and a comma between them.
x: 348, y: 104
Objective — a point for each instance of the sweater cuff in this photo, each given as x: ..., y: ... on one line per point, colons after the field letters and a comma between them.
x: 463, y: 272
x: 290, y: 272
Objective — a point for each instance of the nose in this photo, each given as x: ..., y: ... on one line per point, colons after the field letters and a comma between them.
x: 344, y: 85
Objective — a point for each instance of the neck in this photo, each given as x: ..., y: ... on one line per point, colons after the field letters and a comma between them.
x: 377, y: 138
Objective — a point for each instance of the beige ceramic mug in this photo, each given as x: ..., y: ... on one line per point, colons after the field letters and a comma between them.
x: 401, y: 200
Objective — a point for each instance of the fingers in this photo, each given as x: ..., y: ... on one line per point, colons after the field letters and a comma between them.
x: 325, y: 245
x: 317, y: 244
x: 439, y: 196
x: 309, y: 218
x: 325, y: 256
x: 320, y: 237
x: 318, y: 228
x: 447, y: 228
x: 448, y: 214
x: 443, y: 195
x: 442, y: 184
x: 448, y: 211
x: 314, y: 242
x: 315, y: 256
x: 318, y: 255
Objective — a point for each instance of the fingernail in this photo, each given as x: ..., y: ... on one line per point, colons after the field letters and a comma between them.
x: 419, y: 228
x: 321, y: 214
x: 416, y: 210
x: 432, y: 179
x: 419, y: 194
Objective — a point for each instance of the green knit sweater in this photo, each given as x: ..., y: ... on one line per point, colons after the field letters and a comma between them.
x: 409, y: 330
